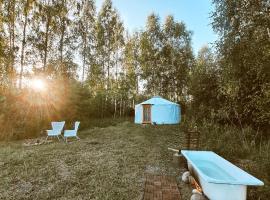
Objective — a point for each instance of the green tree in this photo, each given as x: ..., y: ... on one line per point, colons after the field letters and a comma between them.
x: 26, y: 6
x: 109, y: 45
x: 150, y: 45
x: 10, y: 13
x: 44, y: 30
x: 165, y: 57
x: 132, y: 65
x: 85, y: 29
x: 244, y: 51
x: 204, y: 84
x: 177, y: 59
x: 3, y: 51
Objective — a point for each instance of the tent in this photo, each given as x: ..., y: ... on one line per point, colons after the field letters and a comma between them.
x: 157, y: 111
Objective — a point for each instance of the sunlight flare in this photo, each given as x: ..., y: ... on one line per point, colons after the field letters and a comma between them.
x: 38, y: 84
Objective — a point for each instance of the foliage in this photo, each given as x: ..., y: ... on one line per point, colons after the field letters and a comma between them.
x: 243, y: 49
x: 106, y: 70
x: 165, y: 57
x: 85, y: 28
x: 231, y: 85
x: 204, y: 84
x: 94, y: 68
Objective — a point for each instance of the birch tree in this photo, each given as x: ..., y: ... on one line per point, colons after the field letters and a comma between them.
x: 243, y: 49
x: 26, y: 6
x: 85, y: 29
x: 44, y: 29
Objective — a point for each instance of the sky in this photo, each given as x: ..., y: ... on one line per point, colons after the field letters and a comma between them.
x: 194, y: 13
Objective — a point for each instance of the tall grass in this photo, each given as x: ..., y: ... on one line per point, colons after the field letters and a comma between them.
x: 244, y: 147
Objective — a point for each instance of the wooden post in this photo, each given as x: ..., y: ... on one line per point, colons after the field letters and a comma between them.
x: 188, y: 140
x: 198, y: 140
x: 192, y: 140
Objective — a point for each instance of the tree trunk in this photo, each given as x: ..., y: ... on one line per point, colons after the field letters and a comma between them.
x: 11, y: 27
x: 120, y: 109
x: 62, y: 40
x: 108, y: 75
x: 22, y: 50
x: 84, y: 56
x: 102, y: 109
x: 123, y: 108
x: 115, y: 107
x: 137, y: 84
x: 46, y: 41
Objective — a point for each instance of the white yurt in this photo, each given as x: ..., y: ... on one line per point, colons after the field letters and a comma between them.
x: 157, y: 111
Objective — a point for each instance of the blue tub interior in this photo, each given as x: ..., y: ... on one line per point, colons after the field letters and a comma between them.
x: 212, y: 170
x: 216, y: 169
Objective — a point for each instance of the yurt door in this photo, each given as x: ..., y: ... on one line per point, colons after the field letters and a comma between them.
x: 146, y: 113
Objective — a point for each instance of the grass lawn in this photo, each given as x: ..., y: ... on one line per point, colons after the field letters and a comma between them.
x: 107, y: 163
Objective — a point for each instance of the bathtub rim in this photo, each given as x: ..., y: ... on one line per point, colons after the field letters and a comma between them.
x: 254, y: 182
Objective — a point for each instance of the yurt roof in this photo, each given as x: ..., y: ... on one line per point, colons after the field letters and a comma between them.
x: 157, y: 100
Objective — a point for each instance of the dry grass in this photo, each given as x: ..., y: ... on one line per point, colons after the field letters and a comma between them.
x: 108, y: 163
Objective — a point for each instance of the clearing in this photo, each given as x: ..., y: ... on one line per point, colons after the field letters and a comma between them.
x: 107, y: 163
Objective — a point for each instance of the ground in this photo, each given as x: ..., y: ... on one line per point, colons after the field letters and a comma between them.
x: 111, y: 162
x: 107, y: 163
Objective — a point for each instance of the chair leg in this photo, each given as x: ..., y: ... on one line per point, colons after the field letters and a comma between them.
x: 47, y: 137
x: 78, y: 138
x: 58, y: 138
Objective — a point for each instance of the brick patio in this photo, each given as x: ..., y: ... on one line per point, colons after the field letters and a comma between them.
x: 160, y: 188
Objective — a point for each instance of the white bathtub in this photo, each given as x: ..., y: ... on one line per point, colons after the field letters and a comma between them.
x: 218, y: 178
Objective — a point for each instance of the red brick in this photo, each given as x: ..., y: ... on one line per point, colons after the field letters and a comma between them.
x: 149, y: 188
x: 148, y: 196
x: 174, y: 188
x: 158, y: 183
x: 157, y: 195
x: 161, y: 188
x: 166, y: 196
x: 175, y: 196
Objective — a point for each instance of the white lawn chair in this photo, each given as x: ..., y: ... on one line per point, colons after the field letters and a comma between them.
x: 57, y: 128
x: 72, y: 133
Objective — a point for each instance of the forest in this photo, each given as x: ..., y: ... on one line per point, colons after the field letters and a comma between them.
x: 69, y: 60
x: 94, y: 67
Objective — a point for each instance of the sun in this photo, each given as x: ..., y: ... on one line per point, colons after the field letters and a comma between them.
x: 38, y: 84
